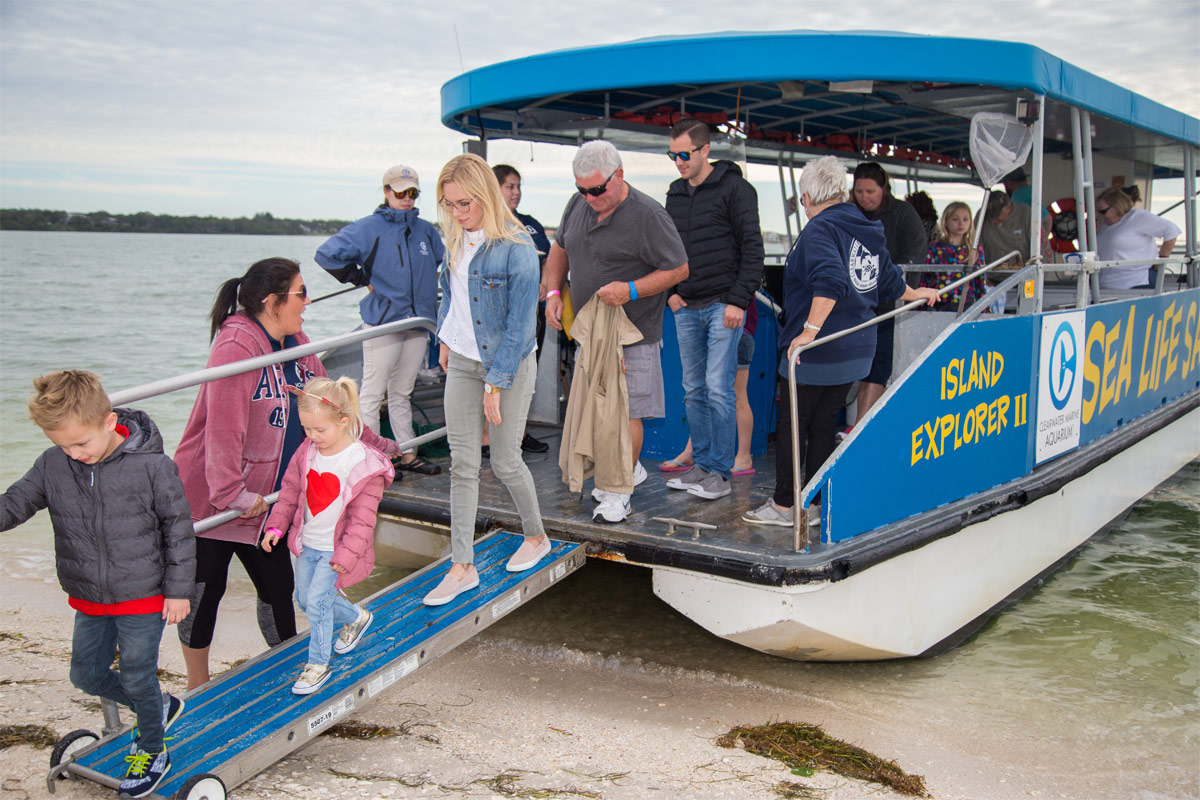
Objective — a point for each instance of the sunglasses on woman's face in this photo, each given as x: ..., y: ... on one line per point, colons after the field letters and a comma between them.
x: 303, y: 292
x: 411, y: 194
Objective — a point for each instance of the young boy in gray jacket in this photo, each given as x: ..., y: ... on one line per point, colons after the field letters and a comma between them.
x: 124, y: 548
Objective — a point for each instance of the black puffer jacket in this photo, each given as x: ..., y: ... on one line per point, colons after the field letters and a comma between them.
x: 720, y: 231
x: 122, y: 527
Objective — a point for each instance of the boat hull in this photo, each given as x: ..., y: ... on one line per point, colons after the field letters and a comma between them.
x: 889, y: 611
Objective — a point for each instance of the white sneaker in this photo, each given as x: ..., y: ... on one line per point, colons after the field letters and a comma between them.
x: 688, y: 479
x: 613, y: 508
x: 639, y: 477
x: 312, y: 678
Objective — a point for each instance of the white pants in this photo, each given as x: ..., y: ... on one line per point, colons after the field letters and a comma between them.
x: 391, y: 362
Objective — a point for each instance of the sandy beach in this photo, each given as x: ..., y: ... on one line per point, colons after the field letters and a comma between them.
x: 497, y: 718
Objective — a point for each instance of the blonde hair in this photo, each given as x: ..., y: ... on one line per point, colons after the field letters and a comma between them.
x: 72, y: 394
x: 336, y: 398
x: 969, y: 238
x: 1119, y: 200
x: 473, y: 175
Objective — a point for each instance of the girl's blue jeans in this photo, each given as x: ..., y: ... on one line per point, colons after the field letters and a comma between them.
x: 320, y: 601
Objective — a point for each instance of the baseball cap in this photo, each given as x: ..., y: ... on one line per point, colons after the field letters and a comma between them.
x: 400, y: 178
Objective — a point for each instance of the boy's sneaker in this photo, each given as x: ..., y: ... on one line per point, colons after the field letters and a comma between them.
x: 769, y: 514
x: 314, y: 677
x: 613, y: 508
x: 145, y: 772
x: 712, y: 487
x: 688, y: 479
x: 172, y: 709
x: 352, y: 633
x: 639, y: 477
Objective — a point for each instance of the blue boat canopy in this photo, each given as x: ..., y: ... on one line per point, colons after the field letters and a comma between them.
x: 903, y: 98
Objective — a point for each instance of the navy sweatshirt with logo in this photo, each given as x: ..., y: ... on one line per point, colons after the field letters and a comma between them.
x: 840, y: 255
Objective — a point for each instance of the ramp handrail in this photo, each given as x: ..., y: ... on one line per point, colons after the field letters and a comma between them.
x: 799, y: 515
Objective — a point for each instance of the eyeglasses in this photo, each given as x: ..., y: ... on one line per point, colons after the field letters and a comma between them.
x: 296, y: 390
x: 1102, y: 211
x: 685, y: 155
x: 461, y: 205
x: 411, y: 194
x: 303, y: 292
x: 596, y: 191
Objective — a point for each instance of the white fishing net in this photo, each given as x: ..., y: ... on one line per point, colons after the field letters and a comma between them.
x: 999, y: 144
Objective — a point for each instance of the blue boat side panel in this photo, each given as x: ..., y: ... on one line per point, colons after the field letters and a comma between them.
x: 1138, y: 355
x: 992, y: 397
x: 956, y: 424
x: 252, y: 706
x: 676, y: 64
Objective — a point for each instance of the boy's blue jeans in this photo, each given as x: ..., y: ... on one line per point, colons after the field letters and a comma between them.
x: 320, y: 601
x: 93, y: 646
x: 708, y: 353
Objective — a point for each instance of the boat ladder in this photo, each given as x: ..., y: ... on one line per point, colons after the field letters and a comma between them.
x: 246, y: 719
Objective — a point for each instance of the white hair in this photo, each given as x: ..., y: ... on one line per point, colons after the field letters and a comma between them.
x: 824, y: 181
x: 596, y: 155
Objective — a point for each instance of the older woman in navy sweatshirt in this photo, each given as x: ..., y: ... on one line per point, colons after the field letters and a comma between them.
x: 836, y: 273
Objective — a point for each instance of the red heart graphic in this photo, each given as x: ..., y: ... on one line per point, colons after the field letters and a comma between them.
x: 323, y: 489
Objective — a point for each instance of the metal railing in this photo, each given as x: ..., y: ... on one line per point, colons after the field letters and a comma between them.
x: 799, y: 514
x: 168, y: 385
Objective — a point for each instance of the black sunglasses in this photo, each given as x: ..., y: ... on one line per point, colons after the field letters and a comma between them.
x: 303, y: 292
x: 596, y: 191
x: 684, y: 155
x: 1102, y: 211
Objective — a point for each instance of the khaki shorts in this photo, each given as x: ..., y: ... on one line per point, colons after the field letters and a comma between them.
x: 643, y: 376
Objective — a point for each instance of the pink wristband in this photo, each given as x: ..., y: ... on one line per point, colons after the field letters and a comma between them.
x: 277, y: 533
x: 553, y: 292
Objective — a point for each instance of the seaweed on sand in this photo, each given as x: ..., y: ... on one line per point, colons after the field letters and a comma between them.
x: 803, y: 746
x: 36, y: 735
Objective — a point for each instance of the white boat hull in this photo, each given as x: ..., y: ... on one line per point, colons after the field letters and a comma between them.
x: 889, y: 609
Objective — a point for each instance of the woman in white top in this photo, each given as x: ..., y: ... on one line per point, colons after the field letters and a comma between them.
x: 1126, y: 234
x: 486, y: 321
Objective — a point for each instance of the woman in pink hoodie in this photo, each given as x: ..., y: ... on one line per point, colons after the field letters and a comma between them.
x: 241, y: 434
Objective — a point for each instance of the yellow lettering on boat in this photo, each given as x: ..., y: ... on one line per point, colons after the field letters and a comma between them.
x: 1108, y: 389
x: 1145, y: 366
x: 1125, y: 370
x: 1091, y: 372
x: 1173, y: 340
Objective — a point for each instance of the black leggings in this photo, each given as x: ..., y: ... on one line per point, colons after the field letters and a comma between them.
x: 816, y: 420
x: 271, y: 574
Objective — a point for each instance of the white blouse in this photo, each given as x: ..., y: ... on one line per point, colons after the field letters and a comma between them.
x: 458, y: 330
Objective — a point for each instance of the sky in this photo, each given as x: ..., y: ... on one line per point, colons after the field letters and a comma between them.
x: 297, y: 108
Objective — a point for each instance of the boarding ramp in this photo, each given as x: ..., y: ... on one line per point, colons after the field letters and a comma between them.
x: 247, y: 719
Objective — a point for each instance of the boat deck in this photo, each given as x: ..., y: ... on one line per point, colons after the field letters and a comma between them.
x: 640, y: 538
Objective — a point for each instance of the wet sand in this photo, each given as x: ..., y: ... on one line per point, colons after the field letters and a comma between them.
x: 557, y: 718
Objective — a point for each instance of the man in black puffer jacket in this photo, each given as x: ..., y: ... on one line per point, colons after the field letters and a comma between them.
x: 715, y: 210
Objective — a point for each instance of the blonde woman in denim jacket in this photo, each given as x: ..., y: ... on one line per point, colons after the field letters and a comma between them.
x: 486, y: 321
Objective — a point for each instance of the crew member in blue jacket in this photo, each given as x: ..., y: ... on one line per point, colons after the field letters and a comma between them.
x: 835, y: 275
x: 396, y: 255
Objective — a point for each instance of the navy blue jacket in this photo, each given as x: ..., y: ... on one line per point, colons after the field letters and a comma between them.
x: 840, y: 255
x: 397, y: 253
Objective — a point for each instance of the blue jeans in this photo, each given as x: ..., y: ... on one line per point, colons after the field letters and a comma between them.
x: 93, y: 646
x: 708, y: 351
x: 320, y: 601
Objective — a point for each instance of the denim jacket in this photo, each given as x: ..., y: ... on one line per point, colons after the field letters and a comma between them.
x: 503, y: 281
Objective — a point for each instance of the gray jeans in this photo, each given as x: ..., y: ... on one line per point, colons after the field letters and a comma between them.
x: 464, y: 431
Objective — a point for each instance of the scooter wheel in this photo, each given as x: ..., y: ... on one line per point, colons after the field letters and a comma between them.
x: 69, y: 745
x: 202, y: 787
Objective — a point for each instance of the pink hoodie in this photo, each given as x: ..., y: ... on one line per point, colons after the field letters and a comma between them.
x: 354, y: 535
x: 233, y: 442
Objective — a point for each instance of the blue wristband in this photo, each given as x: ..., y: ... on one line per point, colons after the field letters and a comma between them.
x: 632, y: 291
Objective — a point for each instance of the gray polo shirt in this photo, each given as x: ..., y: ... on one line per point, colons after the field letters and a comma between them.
x: 634, y: 241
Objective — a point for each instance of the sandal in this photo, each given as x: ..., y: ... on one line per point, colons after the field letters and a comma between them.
x: 671, y: 465
x: 418, y: 464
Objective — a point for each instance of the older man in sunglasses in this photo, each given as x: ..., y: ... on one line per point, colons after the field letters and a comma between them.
x: 395, y: 254
x: 621, y: 246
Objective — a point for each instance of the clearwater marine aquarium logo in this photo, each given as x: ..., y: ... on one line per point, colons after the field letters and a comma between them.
x: 864, y: 267
x: 1063, y: 369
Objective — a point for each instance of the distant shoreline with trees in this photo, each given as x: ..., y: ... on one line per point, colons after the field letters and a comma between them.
x: 261, y: 224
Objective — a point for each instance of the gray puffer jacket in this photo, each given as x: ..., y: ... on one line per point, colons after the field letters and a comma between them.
x: 122, y: 527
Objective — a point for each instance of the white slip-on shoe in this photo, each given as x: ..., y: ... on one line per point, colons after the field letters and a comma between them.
x: 451, y: 588
x: 528, y: 554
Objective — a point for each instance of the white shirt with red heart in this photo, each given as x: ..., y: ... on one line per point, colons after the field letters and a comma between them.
x: 325, y: 493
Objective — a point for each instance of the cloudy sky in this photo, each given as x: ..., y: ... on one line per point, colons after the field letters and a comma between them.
x: 296, y: 108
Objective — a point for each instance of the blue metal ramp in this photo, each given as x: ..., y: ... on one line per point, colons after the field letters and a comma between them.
x: 247, y: 719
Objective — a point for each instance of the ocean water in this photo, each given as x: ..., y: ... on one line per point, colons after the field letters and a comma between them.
x: 1104, y: 658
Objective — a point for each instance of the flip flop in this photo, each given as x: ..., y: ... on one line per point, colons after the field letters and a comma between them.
x: 671, y: 465
x: 418, y: 464
x: 749, y: 471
